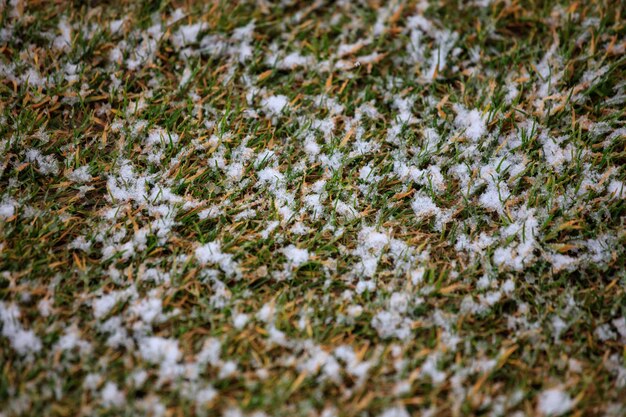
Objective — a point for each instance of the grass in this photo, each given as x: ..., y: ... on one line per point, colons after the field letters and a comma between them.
x: 463, y: 342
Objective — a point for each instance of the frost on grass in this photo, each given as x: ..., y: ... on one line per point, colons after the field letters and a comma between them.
x: 399, y: 208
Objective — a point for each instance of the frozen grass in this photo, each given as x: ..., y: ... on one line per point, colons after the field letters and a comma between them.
x: 312, y: 208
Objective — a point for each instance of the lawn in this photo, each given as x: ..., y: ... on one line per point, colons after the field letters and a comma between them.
x: 312, y: 208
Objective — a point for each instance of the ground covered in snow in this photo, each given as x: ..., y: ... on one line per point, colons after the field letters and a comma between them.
x: 352, y: 208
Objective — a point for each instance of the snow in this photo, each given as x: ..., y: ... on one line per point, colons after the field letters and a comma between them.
x: 424, y: 207
x: 24, y: 342
x: 616, y: 189
x: 271, y: 226
x: 210, y: 213
x: 103, y: 304
x: 235, y: 171
x: 80, y: 175
x: 149, y: 310
x: 295, y: 256
x: 7, y: 208
x: 270, y: 176
x: 163, y: 352
x: 80, y: 243
x: 563, y: 262
x: 160, y: 136
x: 240, y: 320
x: 184, y: 79
x: 508, y: 286
x: 71, y: 339
x: 390, y: 324
x: 417, y: 276
x: 554, y: 402
x: 47, y: 164
x: 188, y: 34
x: 228, y: 369
x: 445, y: 41
x: 470, y: 122
x: 211, y: 253
x: 492, y: 198
x: 126, y: 185
x: 430, y: 369
x: 64, y: 40
x: 294, y: 60
x: 44, y: 306
x: 210, y: 353
x: 556, y: 155
x: 112, y: 396
x: 116, y: 25
x: 274, y: 105
x: 395, y: 412
x: 266, y: 313
x: 354, y: 310
x: 205, y: 395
